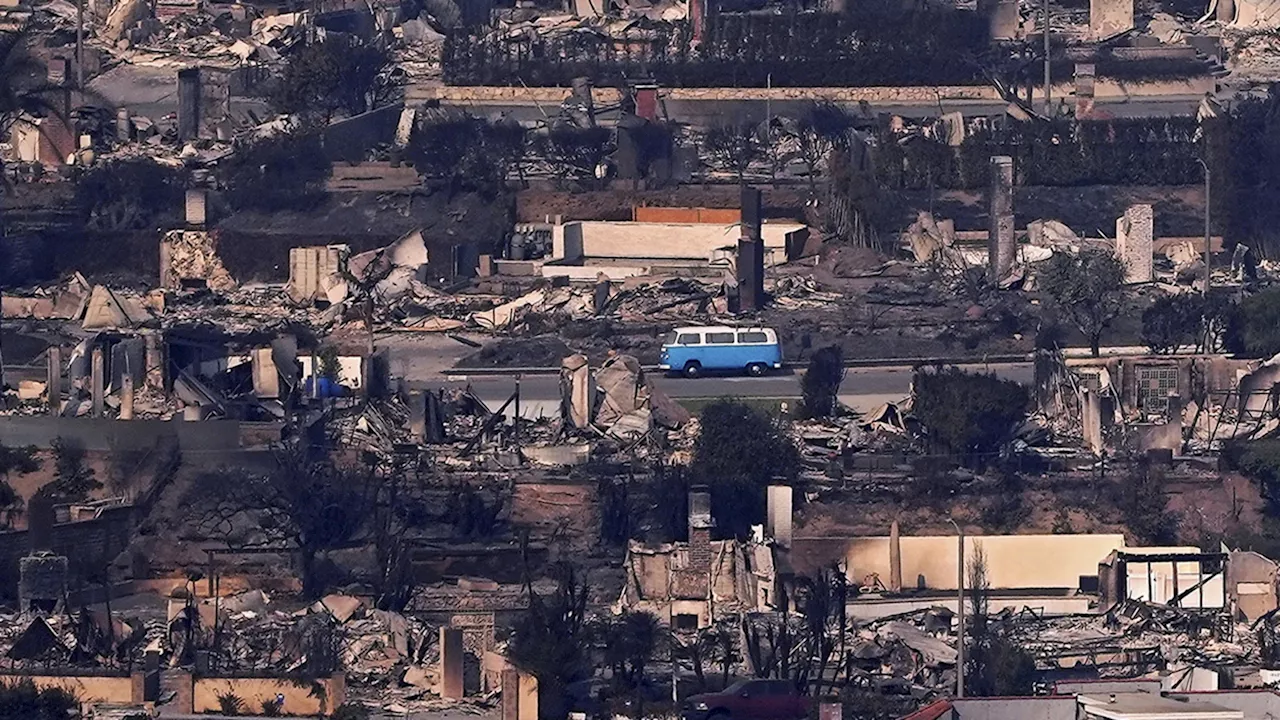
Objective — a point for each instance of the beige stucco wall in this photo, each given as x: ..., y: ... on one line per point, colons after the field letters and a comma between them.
x: 86, y: 688
x: 1157, y: 584
x: 1251, y: 583
x: 528, y: 707
x: 1013, y: 561
x: 254, y: 691
x: 692, y: 241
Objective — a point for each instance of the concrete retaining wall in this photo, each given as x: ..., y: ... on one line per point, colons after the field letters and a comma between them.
x: 122, y: 689
x: 1103, y: 88
x: 299, y: 699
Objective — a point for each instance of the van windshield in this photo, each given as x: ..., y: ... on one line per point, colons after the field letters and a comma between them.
x: 669, y: 338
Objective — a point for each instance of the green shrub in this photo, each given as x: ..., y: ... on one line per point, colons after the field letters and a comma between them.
x: 24, y: 700
x: 738, y: 454
x: 1254, y: 330
x: 230, y: 704
x: 968, y: 415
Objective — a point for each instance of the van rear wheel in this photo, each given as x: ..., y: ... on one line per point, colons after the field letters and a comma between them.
x: 756, y: 369
x: 692, y: 369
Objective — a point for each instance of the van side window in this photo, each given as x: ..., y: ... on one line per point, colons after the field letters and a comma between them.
x: 752, y: 337
x: 720, y: 338
x: 689, y: 339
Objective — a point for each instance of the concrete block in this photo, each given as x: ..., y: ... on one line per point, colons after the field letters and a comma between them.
x: 154, y: 362
x: 510, y: 694
x: 266, y: 376
x: 126, y: 397
x: 1110, y: 17
x: 528, y: 694
x: 317, y: 273
x: 1091, y: 420
x: 558, y: 455
x: 451, y: 652
x: 895, y: 557
x: 418, y: 415
x: 30, y: 389
x: 124, y: 125
x: 778, y: 515
x: 1003, y: 20
x: 97, y: 380
x: 53, y: 380
x: 195, y: 207
x: 477, y: 584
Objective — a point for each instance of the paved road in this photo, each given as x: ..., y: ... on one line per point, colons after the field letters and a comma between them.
x: 863, y: 388
x: 710, y: 112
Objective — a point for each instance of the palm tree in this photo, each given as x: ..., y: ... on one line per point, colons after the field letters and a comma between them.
x: 24, y: 91
x: 25, y: 95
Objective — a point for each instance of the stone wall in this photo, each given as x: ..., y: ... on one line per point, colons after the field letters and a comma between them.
x: 88, y: 544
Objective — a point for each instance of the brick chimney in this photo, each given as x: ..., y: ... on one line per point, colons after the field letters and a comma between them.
x: 700, y: 524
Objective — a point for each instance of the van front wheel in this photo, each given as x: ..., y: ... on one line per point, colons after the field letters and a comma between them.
x: 756, y: 369
x: 692, y: 370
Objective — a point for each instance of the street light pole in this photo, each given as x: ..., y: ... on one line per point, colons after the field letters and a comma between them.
x: 1048, y: 105
x: 959, y: 612
x: 80, y: 46
x: 1207, y: 254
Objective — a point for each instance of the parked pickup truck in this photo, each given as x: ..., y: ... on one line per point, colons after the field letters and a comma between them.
x: 749, y: 700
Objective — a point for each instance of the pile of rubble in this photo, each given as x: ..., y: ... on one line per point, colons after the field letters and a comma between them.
x: 826, y: 439
x: 391, y: 661
x: 1139, y: 637
x: 915, y: 651
x: 611, y: 408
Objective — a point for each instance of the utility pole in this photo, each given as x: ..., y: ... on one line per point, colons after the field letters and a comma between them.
x: 1207, y: 254
x: 1048, y: 108
x: 79, y: 47
x: 959, y: 612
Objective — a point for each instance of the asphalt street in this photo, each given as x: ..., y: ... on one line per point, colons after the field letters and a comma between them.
x: 710, y: 112
x: 863, y: 388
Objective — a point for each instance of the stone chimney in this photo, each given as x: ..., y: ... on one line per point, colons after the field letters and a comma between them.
x: 1135, y: 237
x: 188, y: 104
x: 750, y: 265
x: 1085, y: 78
x: 1001, y: 242
x: 195, y: 208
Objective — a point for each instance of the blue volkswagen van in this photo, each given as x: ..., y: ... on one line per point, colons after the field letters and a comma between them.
x: 693, y: 350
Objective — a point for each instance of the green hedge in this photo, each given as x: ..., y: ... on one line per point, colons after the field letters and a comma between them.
x: 863, y: 47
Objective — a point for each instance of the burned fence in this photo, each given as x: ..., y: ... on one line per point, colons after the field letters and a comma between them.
x: 1135, y: 151
x: 861, y: 49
